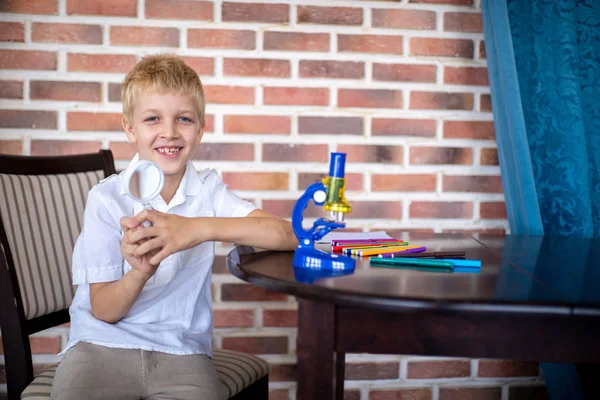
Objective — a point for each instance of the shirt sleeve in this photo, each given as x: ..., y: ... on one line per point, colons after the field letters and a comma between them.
x: 227, y: 203
x: 97, y: 254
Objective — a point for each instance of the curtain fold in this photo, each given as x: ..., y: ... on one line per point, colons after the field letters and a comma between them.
x: 544, y: 69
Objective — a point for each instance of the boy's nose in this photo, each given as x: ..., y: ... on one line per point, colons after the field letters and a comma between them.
x: 170, y: 130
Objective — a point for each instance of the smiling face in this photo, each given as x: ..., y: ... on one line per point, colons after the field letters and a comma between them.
x: 166, y: 128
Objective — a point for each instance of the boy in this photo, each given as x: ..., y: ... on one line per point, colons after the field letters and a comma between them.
x: 141, y: 319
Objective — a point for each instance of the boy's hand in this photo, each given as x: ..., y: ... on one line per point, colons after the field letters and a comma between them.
x: 168, y: 234
x: 129, y: 246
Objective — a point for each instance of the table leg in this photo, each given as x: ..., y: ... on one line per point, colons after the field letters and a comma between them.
x: 316, y: 351
x: 340, y: 368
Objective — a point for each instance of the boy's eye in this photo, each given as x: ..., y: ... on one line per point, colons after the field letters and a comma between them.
x: 151, y: 119
x: 185, y: 119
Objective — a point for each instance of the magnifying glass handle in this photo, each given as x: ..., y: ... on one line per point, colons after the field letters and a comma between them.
x: 147, y: 223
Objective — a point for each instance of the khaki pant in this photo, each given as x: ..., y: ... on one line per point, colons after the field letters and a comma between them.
x: 90, y: 372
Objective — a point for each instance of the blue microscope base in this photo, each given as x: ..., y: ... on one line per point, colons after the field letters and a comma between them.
x: 308, y: 257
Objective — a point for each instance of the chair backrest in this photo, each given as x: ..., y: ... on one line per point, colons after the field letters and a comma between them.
x: 41, y: 214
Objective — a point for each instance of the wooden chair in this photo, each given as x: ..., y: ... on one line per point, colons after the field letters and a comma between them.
x: 41, y: 210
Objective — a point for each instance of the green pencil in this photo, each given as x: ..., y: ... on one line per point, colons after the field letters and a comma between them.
x: 422, y: 264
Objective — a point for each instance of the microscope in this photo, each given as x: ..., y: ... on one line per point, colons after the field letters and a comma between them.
x: 328, y: 193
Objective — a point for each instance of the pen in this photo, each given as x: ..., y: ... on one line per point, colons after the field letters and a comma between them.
x: 431, y: 254
x: 342, y: 241
x: 472, y: 264
x: 436, y: 265
x: 390, y: 249
x: 405, y: 252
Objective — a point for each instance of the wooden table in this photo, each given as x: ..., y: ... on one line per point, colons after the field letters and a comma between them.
x: 535, y: 298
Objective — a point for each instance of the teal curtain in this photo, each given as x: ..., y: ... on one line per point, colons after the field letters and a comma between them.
x: 544, y: 69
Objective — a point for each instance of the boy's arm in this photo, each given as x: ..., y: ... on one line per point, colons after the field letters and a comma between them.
x: 171, y: 233
x: 111, y: 301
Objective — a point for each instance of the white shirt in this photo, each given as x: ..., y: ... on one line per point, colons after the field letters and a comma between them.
x: 173, y: 313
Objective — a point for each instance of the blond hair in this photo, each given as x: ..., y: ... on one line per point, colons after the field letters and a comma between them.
x: 163, y: 73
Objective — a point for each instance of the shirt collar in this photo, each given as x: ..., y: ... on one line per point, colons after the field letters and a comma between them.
x: 190, y: 182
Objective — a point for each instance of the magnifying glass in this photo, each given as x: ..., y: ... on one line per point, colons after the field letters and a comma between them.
x: 143, y: 181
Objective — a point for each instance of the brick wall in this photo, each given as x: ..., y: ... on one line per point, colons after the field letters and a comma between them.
x: 401, y: 86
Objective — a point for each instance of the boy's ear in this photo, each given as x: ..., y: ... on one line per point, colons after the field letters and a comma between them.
x: 128, y: 128
x: 200, y: 133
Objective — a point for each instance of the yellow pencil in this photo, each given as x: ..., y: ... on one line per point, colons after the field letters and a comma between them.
x: 375, y: 252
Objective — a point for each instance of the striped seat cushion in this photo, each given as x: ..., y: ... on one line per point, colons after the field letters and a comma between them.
x: 236, y: 370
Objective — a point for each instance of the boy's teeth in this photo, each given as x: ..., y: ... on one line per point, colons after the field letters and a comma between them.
x: 168, y: 150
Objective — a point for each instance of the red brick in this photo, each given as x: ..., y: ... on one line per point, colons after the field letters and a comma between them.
x: 405, y: 72
x: 493, y: 232
x: 283, y: 208
x: 296, y: 41
x: 279, y: 394
x: 403, y: 127
x: 351, y: 394
x: 528, y: 393
x: 123, y: 8
x: 449, y: 209
x: 331, y: 125
x: 280, y: 318
x: 466, y: 76
x: 233, y: 318
x: 44, y: 345
x: 284, y: 152
x: 28, y: 119
x: 403, y: 19
x: 283, y: 373
x: 224, y: 152
x: 177, y: 9
x: 438, y: 369
x: 66, y: 33
x: 29, y: 60
x: 144, y: 36
x: 245, y: 292
x: 377, y: 209
x: 433, y: 47
x: 257, y: 124
x: 114, y: 92
x: 492, y: 210
x: 354, y: 181
x: 472, y: 183
x: 382, y: 44
x: 222, y: 39
x: 11, y: 147
x: 329, y: 15
x: 441, y: 155
x: 488, y: 157
x: 332, y: 69
x: 454, y: 2
x: 358, y: 153
x: 12, y: 32
x: 485, y: 103
x: 507, y: 368
x: 482, y: 130
x: 29, y: 6
x: 257, y: 344
x: 229, y: 94
x: 401, y: 394
x: 209, y: 125
x: 247, y: 12
x: 441, y: 101
x: 256, y: 67
x: 202, y: 65
x: 11, y: 89
x: 92, y: 121
x: 463, y: 22
x: 295, y: 96
x: 482, y: 53
x: 62, y: 147
x: 372, y: 371
x: 122, y: 150
x: 256, y: 180
x: 403, y: 183
x: 370, y: 98
x: 77, y: 62
x: 57, y: 90
x: 463, y: 393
